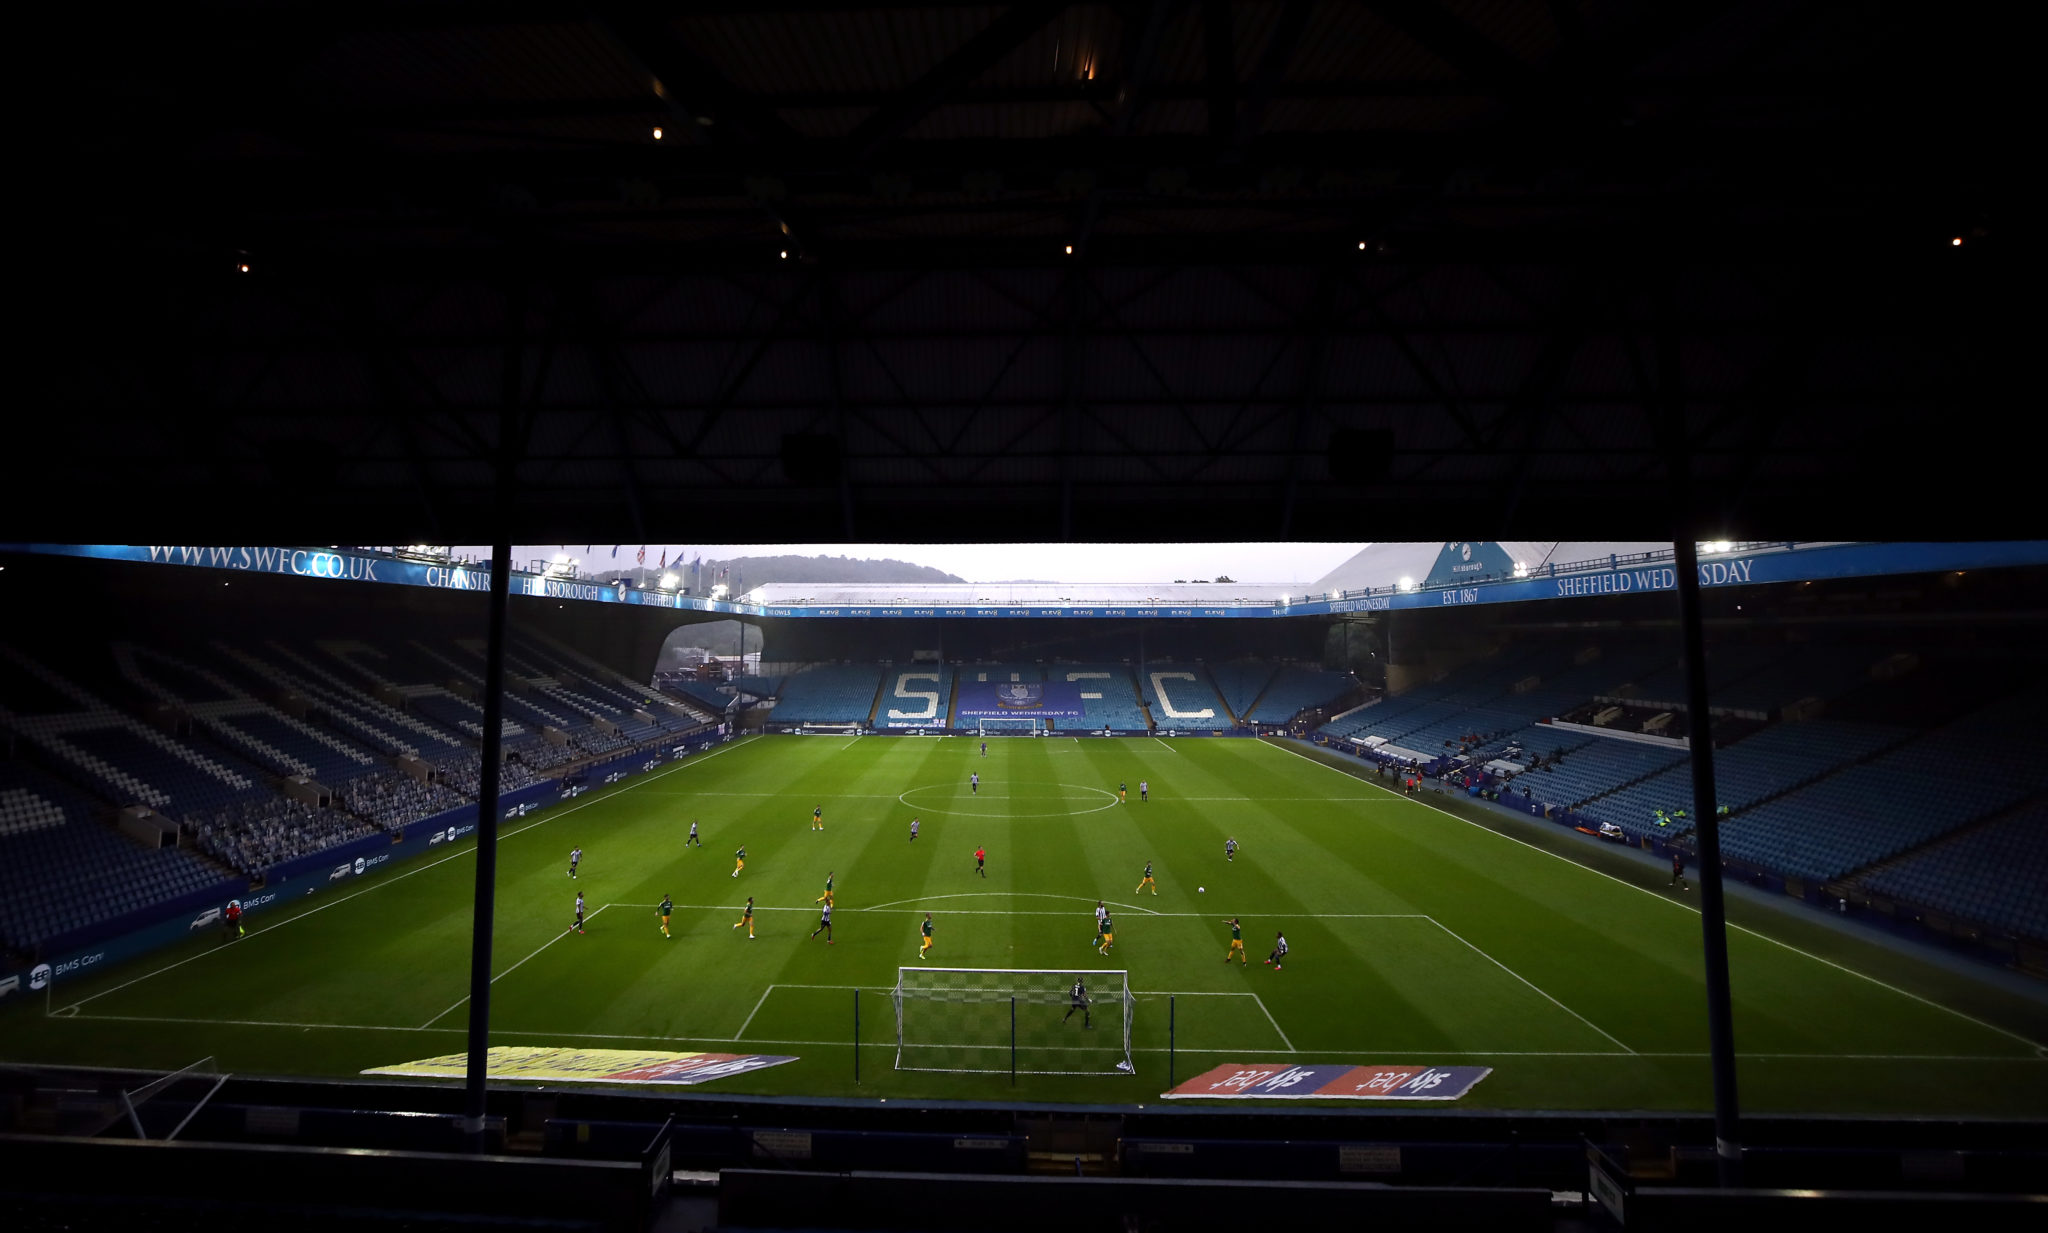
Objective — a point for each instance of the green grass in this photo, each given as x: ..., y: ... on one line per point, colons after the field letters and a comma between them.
x: 1417, y: 937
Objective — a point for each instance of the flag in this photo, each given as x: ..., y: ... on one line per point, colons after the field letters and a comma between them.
x: 642, y: 559
x: 664, y: 558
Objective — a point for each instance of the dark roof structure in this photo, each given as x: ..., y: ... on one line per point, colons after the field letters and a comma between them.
x: 436, y: 271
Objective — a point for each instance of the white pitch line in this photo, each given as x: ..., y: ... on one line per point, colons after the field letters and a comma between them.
x: 998, y: 796
x: 733, y: 907
x: 1169, y: 748
x: 849, y: 744
x: 550, y: 816
x: 1964, y: 1015
x: 1525, y: 980
x: 750, y: 1014
x: 1142, y: 993
x: 1275, y: 1022
x: 1020, y: 894
x: 1361, y: 1049
x: 515, y: 967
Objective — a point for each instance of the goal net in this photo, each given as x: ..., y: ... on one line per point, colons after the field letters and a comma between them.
x: 1020, y: 726
x: 996, y: 1019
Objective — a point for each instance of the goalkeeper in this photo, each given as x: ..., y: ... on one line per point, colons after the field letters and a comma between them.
x: 1078, y: 1000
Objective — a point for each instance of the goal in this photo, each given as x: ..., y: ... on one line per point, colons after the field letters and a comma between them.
x: 996, y: 1019
x: 1020, y: 726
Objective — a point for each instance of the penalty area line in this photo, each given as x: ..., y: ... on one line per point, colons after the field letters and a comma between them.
x: 1276, y: 1024
x: 515, y: 967
x: 750, y: 1014
x: 1525, y: 980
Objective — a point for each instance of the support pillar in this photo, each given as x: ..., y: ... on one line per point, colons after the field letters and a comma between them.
x: 1713, y: 905
x: 486, y: 850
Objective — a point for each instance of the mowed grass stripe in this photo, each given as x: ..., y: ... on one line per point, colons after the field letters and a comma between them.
x: 1327, y: 858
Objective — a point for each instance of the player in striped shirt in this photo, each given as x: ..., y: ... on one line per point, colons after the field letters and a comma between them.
x: 575, y: 855
x: 693, y: 840
x: 579, y: 911
x: 825, y: 922
x: 1279, y: 950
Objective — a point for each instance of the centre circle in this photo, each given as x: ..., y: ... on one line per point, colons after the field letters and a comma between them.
x: 1108, y: 803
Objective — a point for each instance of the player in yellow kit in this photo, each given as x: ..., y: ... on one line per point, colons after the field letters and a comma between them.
x: 926, y: 929
x: 746, y: 917
x: 1148, y: 881
x: 739, y: 861
x: 1236, y: 944
x: 825, y: 898
x: 818, y: 818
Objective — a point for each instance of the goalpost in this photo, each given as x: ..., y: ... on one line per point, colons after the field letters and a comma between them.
x: 1020, y: 726
x: 996, y: 1019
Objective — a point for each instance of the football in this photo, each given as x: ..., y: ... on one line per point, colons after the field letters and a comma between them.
x: 1201, y: 890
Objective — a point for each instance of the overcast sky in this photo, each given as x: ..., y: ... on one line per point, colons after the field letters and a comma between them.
x: 1264, y: 564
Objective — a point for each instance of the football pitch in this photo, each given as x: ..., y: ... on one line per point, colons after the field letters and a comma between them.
x: 1419, y: 937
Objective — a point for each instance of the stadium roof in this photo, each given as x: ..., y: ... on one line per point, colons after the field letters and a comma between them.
x: 439, y: 270
x: 1385, y: 565
x: 1014, y: 593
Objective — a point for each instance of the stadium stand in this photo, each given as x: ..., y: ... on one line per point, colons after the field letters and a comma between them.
x: 524, y: 761
x: 390, y: 799
x: 1293, y: 690
x: 1823, y: 672
x: 1492, y: 697
x: 829, y: 694
x: 758, y: 686
x: 906, y: 701
x: 259, y: 732
x: 1109, y: 694
x: 1915, y: 792
x: 613, y: 689
x: 380, y: 726
x: 255, y: 833
x: 1183, y: 696
x: 1598, y: 767
x: 700, y: 696
x: 61, y: 871
x: 597, y: 741
x: 1991, y: 874
x: 1772, y: 762
x: 1726, y: 667
x: 1240, y: 682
